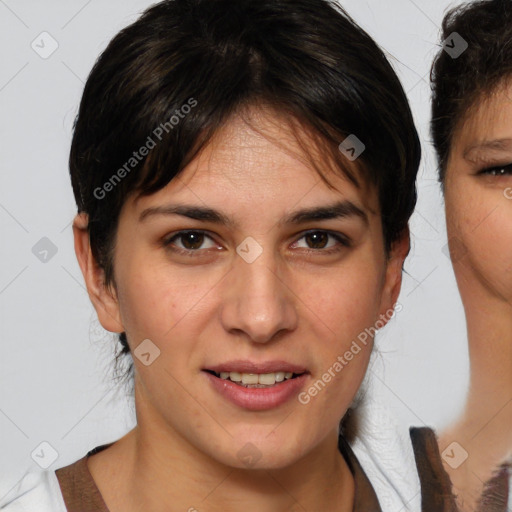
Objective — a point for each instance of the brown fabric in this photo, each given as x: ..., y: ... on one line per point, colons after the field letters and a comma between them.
x: 365, y: 499
x: 78, y: 488
x: 436, y: 486
x: 81, y: 494
x: 496, y: 490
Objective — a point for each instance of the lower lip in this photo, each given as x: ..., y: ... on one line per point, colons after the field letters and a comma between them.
x: 258, y: 399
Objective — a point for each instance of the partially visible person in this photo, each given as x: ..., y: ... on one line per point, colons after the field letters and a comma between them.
x: 472, y: 134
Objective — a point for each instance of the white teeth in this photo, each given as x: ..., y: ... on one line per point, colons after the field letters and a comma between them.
x: 250, y: 378
x: 266, y: 379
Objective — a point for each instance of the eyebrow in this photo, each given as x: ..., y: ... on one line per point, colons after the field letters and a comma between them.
x: 338, y: 210
x: 488, y: 145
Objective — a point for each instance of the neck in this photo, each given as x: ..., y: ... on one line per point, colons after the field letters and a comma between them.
x: 489, y: 400
x: 483, y: 429
x: 167, y: 471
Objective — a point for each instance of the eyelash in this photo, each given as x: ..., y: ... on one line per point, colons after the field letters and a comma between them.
x: 343, y: 241
x: 495, y: 170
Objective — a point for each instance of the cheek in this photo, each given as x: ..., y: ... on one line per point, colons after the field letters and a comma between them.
x: 342, y: 312
x: 351, y: 304
x: 480, y: 235
x: 341, y: 305
x: 153, y: 300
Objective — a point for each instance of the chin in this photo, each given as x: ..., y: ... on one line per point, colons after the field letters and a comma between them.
x: 260, y: 452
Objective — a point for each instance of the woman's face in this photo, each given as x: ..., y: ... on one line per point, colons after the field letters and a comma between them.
x: 478, y: 197
x: 258, y: 284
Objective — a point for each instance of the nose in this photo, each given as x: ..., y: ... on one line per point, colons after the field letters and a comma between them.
x: 257, y: 300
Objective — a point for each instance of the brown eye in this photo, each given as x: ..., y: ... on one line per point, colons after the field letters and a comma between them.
x: 318, y: 239
x: 191, y: 241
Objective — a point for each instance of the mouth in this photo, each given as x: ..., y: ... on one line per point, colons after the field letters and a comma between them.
x: 256, y: 380
x: 257, y: 385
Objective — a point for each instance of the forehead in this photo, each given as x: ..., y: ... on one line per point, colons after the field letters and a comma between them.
x: 259, y: 157
x: 261, y: 149
x: 486, y: 127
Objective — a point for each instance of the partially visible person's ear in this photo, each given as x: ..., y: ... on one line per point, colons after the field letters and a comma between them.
x: 393, y: 280
x: 105, y: 303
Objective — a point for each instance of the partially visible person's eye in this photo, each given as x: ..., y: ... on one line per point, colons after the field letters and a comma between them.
x: 319, y: 240
x: 498, y: 170
x: 191, y: 242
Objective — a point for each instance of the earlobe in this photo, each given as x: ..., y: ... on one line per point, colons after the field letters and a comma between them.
x: 104, y: 302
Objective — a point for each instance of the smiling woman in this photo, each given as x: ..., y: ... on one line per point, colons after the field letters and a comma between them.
x: 244, y: 254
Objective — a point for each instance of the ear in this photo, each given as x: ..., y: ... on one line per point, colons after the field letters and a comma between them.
x: 104, y: 301
x: 393, y: 279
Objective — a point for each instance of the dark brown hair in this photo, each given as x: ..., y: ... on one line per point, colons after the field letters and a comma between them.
x: 459, y: 83
x: 185, y: 66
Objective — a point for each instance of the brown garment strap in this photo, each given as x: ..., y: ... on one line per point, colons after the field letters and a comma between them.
x: 78, y: 488
x: 365, y: 499
x: 436, y: 486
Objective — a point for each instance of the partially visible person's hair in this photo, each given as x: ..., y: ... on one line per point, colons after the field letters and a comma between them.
x: 458, y: 84
x: 172, y: 79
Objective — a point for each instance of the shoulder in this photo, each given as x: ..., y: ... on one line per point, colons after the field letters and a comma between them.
x: 437, y: 487
x: 36, y: 491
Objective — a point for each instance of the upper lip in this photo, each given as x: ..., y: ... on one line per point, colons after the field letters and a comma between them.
x: 246, y: 366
